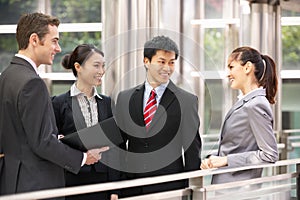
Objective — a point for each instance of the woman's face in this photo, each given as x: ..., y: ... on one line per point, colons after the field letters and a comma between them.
x: 92, y: 70
x: 236, y: 74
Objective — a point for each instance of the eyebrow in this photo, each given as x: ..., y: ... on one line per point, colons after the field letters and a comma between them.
x: 165, y: 59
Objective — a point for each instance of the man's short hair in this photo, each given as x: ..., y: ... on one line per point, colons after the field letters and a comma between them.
x: 159, y: 43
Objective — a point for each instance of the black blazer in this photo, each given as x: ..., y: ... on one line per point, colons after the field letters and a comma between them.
x: 158, y: 151
x: 34, y: 158
x: 66, y: 124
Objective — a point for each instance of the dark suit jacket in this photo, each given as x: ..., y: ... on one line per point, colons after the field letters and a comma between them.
x: 69, y: 119
x: 159, y: 150
x: 34, y: 158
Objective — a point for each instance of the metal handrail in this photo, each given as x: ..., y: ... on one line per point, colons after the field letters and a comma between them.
x: 193, y: 176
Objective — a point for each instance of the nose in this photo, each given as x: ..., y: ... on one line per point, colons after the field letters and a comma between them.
x: 101, y: 70
x: 227, y: 73
x: 57, y: 48
x: 166, y: 67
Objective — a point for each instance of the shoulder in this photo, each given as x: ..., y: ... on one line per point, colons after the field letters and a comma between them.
x: 183, y: 94
x: 61, y: 97
x: 258, y: 104
x: 130, y: 91
x: 104, y: 98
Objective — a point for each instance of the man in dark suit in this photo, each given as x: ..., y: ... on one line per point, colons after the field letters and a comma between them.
x: 33, y: 157
x: 169, y: 142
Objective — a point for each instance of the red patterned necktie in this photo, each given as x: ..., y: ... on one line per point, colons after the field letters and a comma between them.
x: 150, y: 109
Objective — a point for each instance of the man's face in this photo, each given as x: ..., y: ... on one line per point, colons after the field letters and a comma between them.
x: 161, y: 67
x: 47, y: 47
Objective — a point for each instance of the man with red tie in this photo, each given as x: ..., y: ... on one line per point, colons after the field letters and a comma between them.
x: 158, y: 121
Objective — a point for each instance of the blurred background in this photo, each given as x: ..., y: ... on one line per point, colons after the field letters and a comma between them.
x: 206, y: 32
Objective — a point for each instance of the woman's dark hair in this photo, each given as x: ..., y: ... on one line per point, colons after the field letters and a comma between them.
x: 80, y: 54
x: 265, y: 69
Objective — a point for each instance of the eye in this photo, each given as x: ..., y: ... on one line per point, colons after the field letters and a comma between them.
x: 172, y: 63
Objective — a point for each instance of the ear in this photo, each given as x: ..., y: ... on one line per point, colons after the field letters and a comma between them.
x: 77, y: 66
x: 248, y: 67
x: 34, y: 39
x: 146, y: 62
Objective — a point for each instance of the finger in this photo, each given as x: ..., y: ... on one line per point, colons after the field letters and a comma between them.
x: 103, y: 149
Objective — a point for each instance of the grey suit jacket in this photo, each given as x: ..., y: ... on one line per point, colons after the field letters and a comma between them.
x: 34, y: 158
x: 247, y: 137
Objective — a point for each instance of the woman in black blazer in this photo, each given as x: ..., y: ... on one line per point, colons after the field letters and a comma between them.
x: 83, y: 107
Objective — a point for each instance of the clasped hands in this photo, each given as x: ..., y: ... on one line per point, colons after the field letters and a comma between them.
x: 214, y: 162
x: 94, y: 155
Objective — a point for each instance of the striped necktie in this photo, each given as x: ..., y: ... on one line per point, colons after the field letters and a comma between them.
x: 150, y: 109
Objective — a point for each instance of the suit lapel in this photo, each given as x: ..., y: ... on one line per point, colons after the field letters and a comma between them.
x: 102, y: 109
x: 78, y: 118
x: 166, y: 100
x: 136, y: 105
x: 239, y: 104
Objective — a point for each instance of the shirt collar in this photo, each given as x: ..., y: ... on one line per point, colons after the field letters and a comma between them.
x: 74, y: 91
x: 159, y: 90
x: 241, y: 96
x: 28, y: 60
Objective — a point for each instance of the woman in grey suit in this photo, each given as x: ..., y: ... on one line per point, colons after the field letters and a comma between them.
x: 247, y: 133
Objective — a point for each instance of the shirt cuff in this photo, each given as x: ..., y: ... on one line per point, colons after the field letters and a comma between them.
x: 84, y: 159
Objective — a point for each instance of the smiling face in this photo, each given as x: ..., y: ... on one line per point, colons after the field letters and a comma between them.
x: 46, y: 48
x: 236, y: 74
x: 91, y: 71
x: 160, y: 68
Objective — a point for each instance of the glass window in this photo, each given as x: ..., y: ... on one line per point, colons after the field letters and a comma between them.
x: 213, y: 9
x: 11, y: 10
x: 290, y: 104
x: 8, y: 48
x: 60, y: 87
x: 214, y: 98
x: 74, y: 11
x: 214, y: 49
x: 290, y: 43
x: 68, y: 41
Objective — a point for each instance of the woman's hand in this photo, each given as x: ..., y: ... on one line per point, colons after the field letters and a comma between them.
x: 214, y: 162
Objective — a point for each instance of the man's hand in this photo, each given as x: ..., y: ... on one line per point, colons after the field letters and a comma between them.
x: 94, y: 155
x: 114, y: 197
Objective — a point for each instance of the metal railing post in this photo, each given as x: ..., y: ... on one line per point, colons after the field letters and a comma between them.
x: 298, y: 180
x: 196, y: 184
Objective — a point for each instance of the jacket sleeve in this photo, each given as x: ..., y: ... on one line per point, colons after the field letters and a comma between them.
x: 36, y: 113
x: 190, y: 132
x: 261, y: 125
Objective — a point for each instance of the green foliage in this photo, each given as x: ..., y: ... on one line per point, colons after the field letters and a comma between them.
x: 68, y: 41
x: 291, y: 47
x: 68, y: 11
x: 214, y: 43
x: 74, y: 11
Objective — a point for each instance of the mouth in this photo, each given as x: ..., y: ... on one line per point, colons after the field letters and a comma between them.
x: 165, y: 75
x: 231, y: 80
x: 99, y: 78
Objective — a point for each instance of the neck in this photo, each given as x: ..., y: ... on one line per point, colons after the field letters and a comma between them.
x: 28, y: 54
x: 249, y: 88
x: 87, y: 90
